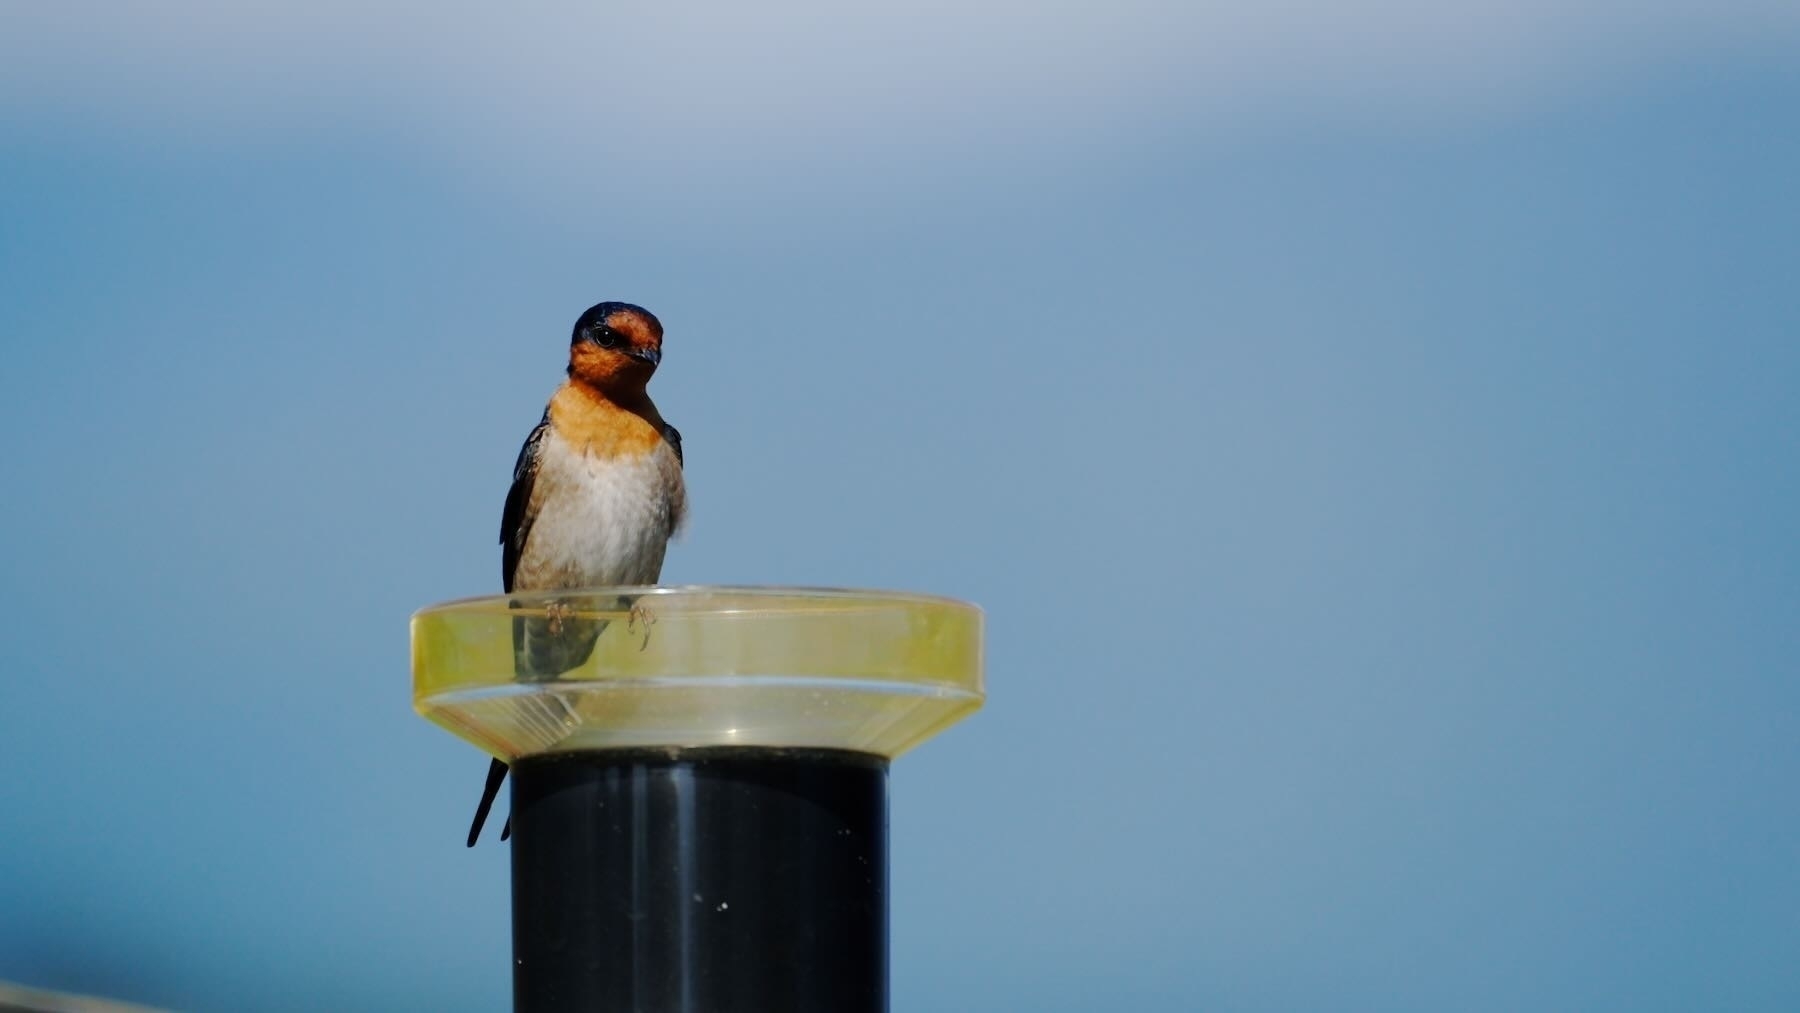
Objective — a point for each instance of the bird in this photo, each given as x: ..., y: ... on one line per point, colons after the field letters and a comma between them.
x: 597, y: 492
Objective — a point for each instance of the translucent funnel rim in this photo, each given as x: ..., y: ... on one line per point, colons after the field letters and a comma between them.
x: 533, y: 673
x: 870, y: 596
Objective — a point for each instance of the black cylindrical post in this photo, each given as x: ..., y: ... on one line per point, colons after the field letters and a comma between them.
x: 702, y: 880
x: 699, y: 806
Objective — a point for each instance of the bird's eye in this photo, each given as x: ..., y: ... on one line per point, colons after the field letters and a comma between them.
x: 605, y: 337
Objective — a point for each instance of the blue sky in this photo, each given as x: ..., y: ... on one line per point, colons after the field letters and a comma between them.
x: 1372, y: 435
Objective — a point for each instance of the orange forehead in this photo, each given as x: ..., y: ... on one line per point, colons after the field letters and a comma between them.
x: 640, y: 330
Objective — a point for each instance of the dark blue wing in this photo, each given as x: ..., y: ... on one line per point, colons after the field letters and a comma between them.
x: 515, y: 520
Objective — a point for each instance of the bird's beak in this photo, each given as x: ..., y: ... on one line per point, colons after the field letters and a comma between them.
x: 650, y: 355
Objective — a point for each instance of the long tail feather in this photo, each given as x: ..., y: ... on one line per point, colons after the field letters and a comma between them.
x: 496, y: 774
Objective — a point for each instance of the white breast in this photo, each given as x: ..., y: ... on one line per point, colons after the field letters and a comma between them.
x: 599, y: 521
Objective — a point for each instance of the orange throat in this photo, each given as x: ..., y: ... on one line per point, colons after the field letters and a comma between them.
x: 595, y: 423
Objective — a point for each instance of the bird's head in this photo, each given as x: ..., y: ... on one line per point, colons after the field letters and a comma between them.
x: 615, y: 346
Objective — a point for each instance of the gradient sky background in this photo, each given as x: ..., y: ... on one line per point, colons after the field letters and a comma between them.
x: 1374, y: 434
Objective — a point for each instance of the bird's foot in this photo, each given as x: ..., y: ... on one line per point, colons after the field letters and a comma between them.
x: 640, y: 615
x: 557, y: 613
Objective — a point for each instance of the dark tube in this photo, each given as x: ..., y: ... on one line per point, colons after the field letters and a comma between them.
x: 707, y: 880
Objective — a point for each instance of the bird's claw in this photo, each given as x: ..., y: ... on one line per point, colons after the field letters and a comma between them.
x: 640, y: 614
x: 557, y: 612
